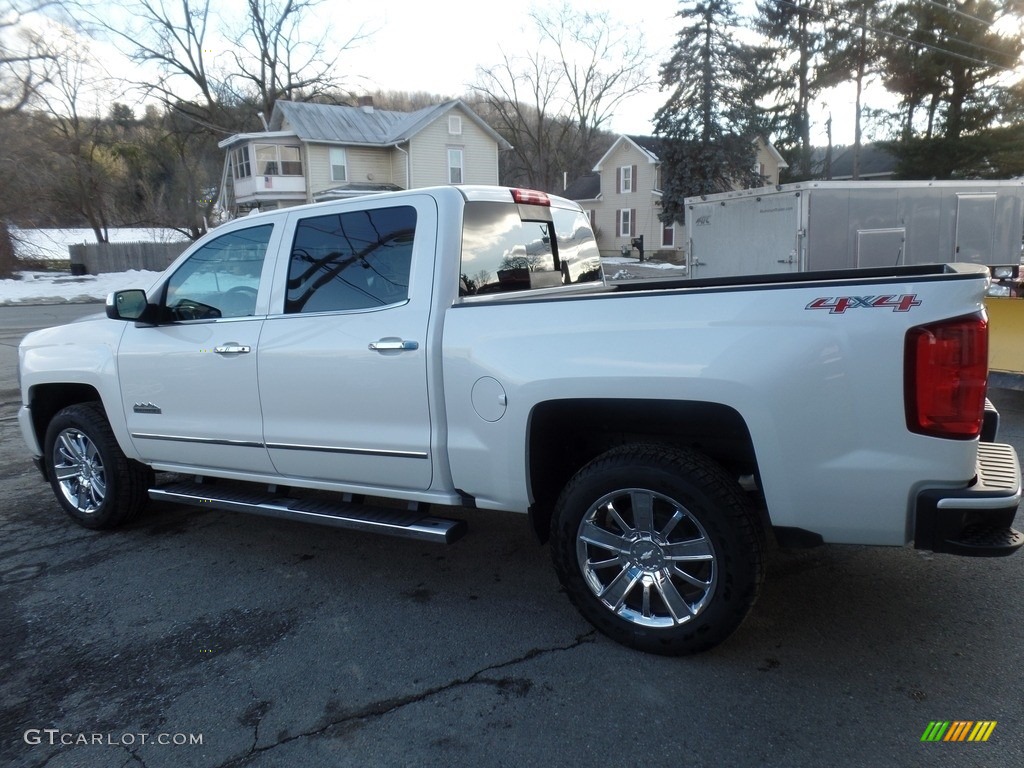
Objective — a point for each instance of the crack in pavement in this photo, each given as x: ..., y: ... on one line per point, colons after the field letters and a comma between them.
x: 98, y: 537
x: 387, y: 706
x: 49, y: 545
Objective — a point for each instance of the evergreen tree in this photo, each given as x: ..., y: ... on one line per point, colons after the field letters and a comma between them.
x: 953, y: 62
x: 706, y: 126
x: 851, y: 53
x: 960, y: 102
x: 797, y: 31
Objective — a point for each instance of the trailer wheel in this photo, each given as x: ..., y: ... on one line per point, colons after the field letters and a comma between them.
x: 95, y: 483
x: 658, y: 548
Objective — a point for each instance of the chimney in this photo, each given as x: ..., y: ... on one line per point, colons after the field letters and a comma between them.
x: 365, y: 103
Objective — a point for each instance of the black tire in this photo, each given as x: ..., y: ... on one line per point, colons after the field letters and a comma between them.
x: 96, y: 484
x: 665, y: 587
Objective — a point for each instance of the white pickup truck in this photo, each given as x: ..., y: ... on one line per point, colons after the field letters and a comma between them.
x: 363, y: 363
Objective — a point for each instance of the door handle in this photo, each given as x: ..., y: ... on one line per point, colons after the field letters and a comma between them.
x: 397, y: 344
x: 232, y: 348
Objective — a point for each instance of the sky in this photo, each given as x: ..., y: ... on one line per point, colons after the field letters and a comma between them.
x: 447, y: 40
x: 437, y: 48
x: 446, y: 47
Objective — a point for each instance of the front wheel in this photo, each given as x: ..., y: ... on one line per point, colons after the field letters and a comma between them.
x: 95, y: 483
x: 658, y: 548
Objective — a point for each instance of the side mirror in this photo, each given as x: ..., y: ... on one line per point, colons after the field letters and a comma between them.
x: 127, y: 305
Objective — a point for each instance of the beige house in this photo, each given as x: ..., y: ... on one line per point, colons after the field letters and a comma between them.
x: 623, y: 197
x: 314, y: 152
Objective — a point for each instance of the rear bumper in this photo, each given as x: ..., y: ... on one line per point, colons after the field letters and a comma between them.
x: 974, y: 521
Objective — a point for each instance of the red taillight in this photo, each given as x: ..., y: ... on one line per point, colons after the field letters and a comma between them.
x: 946, y: 374
x: 530, y: 197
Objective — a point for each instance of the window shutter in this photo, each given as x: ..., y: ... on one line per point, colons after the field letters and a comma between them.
x: 633, y: 179
x: 633, y: 230
x: 618, y: 180
x: 618, y: 223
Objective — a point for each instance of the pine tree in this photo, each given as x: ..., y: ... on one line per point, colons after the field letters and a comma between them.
x: 706, y: 126
x: 954, y: 63
x: 797, y: 29
x: 851, y: 52
x: 961, y: 103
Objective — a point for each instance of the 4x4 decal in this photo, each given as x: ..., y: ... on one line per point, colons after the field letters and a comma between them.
x: 839, y: 304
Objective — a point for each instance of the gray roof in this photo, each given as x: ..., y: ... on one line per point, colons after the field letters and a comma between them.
x: 586, y: 187
x: 333, y: 123
x: 649, y: 143
x: 875, y: 162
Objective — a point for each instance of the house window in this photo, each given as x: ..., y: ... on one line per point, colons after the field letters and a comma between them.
x: 277, y: 160
x: 625, y: 218
x: 455, y: 166
x: 240, y: 163
x: 627, y: 174
x: 668, y: 235
x: 291, y: 161
x: 339, y: 164
x: 761, y: 171
x: 455, y: 125
x: 266, y: 159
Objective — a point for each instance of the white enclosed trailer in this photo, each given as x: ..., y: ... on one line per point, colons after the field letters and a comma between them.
x: 822, y: 225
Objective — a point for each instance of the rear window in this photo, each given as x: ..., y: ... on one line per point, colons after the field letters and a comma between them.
x: 510, y: 247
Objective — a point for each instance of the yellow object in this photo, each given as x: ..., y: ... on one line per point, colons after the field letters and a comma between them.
x: 1005, y: 334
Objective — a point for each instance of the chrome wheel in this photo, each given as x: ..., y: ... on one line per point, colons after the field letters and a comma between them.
x: 646, y: 558
x: 79, y: 471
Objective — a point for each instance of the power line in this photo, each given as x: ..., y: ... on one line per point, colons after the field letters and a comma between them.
x: 894, y: 35
x: 956, y: 11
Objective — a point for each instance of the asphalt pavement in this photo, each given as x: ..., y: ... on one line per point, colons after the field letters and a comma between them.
x: 206, y: 638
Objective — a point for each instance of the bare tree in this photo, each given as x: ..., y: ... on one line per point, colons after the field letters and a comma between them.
x: 275, y: 60
x: 25, y: 66
x: 172, y: 39
x: 521, y: 97
x: 206, y: 61
x: 82, y: 172
x: 603, y: 63
x: 552, y: 104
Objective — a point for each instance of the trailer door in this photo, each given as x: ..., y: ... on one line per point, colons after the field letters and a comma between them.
x: 754, y: 235
x: 881, y: 247
x: 975, y: 228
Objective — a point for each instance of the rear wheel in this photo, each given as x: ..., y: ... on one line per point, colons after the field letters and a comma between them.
x: 658, y: 548
x: 95, y: 483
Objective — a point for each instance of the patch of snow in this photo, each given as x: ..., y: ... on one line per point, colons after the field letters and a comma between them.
x: 62, y: 288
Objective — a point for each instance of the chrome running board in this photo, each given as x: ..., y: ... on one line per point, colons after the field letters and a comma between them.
x: 408, y: 524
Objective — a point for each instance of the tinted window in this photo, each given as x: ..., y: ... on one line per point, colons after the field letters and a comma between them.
x: 354, y: 260
x: 221, y: 279
x: 509, y: 247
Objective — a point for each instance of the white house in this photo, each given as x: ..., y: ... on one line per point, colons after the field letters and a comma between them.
x: 313, y: 152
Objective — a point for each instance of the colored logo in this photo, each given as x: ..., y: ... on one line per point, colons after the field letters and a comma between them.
x: 839, y: 304
x: 958, y: 730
